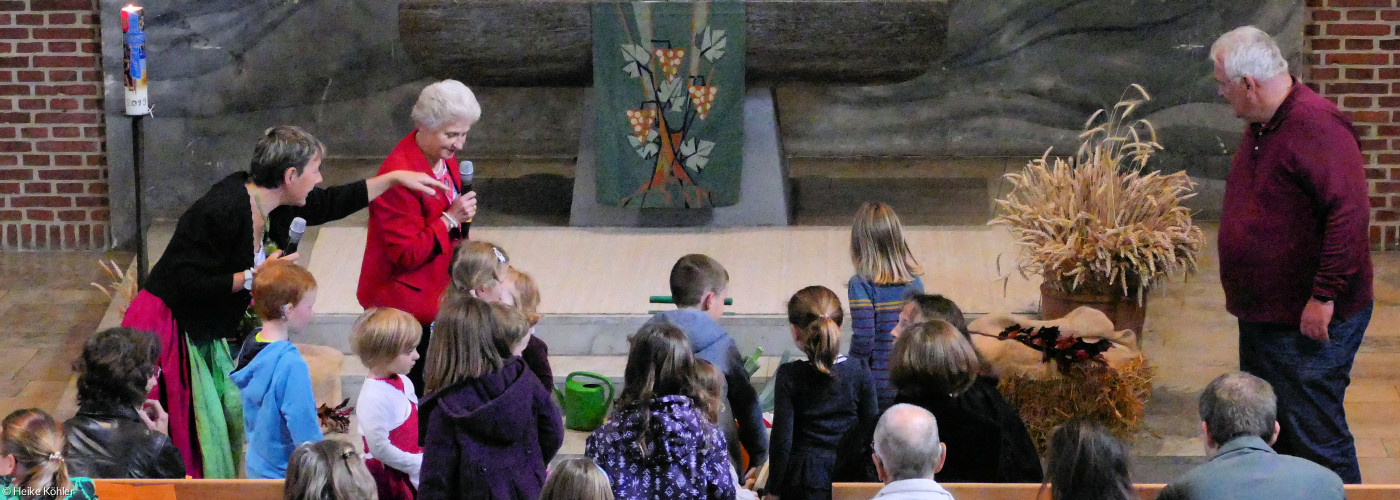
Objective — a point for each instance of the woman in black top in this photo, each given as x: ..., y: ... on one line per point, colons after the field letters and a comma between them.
x: 818, y: 402
x: 934, y: 366
x: 198, y: 291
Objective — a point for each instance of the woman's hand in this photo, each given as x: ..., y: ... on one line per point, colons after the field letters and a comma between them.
x: 155, y: 417
x: 276, y: 256
x: 416, y: 181
x: 463, y: 209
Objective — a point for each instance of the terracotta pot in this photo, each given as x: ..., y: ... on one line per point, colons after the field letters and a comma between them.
x: 1125, y: 312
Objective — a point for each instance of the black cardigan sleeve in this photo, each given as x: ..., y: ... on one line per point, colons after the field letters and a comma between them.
x: 322, y: 205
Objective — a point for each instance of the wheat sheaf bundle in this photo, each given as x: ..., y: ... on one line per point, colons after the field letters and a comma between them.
x: 1096, y: 223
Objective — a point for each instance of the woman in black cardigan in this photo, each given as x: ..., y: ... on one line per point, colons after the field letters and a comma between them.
x: 935, y: 367
x: 198, y: 291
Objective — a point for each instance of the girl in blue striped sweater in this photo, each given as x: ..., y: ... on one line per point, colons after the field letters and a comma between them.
x: 885, y: 272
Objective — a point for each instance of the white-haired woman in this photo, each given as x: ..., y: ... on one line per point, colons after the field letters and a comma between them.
x: 412, y: 235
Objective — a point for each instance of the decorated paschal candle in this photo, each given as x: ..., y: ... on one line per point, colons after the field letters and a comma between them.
x: 134, y: 60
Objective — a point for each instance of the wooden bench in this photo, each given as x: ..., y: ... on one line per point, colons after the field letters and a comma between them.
x: 271, y: 489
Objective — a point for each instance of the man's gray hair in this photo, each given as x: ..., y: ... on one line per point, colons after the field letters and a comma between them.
x: 906, y: 440
x: 443, y: 103
x: 1248, y: 51
x: 1238, y: 404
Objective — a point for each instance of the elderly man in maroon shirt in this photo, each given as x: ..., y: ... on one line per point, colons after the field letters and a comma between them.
x: 1294, y: 250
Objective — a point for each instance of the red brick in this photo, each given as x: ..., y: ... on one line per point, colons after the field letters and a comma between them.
x: 1310, y: 30
x: 68, y: 160
x: 1352, y: 15
x: 26, y: 233
x: 64, y: 61
x: 1392, y: 44
x: 13, y: 118
x: 70, y: 188
x: 58, y: 75
x: 89, y: 48
x: 70, y: 237
x: 41, y: 201
x: 1351, y: 88
x: 29, y: 47
x: 37, y: 160
x: 13, y: 61
x: 6, y: 48
x: 1326, y: 43
x: 86, y: 4
x: 1325, y: 73
x: 9, y: 187
x: 84, y: 234
x: 1389, y: 159
x: 89, y: 201
x: 11, y: 215
x: 99, y: 234
x: 67, y: 146
x: 1330, y: 3
x: 39, y: 215
x: 1354, y: 102
x: 1385, y: 216
x: 30, y: 104
x: 14, y: 33
x: 72, y: 215
x: 14, y: 90
x: 14, y: 147
x: 1360, y: 74
x: 67, y: 132
x: 63, y: 104
x: 1326, y: 15
x: 1390, y: 15
x: 71, y: 174
x: 10, y: 161
x: 92, y: 104
x: 1351, y: 44
x: 1372, y: 144
x: 1389, y: 131
x: 41, y: 237
x: 1358, y: 59
x: 93, y: 160
x: 35, y: 133
x: 38, y: 188
x: 97, y: 188
x: 64, y: 33
x: 1371, y: 173
x: 13, y: 5
x: 61, y: 47
x: 1387, y: 187
x: 92, y: 132
x: 99, y: 214
x: 69, y: 89
x: 7, y: 76
x: 29, y: 76
x: 63, y: 18
x: 89, y: 19
x: 29, y: 19
x: 84, y: 118
x: 7, y: 132
x: 1389, y: 74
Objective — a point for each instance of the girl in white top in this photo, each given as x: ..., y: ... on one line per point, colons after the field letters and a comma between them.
x: 386, y: 340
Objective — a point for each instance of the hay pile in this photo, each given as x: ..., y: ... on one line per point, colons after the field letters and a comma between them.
x: 1089, y: 390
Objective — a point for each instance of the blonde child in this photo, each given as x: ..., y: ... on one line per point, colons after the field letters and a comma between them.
x: 886, y: 271
x: 385, y: 340
x: 477, y: 269
x: 491, y: 425
x: 712, y: 384
x: 577, y: 479
x: 32, y: 459
x: 817, y: 401
x: 328, y: 470
x: 279, y: 409
x: 526, y: 296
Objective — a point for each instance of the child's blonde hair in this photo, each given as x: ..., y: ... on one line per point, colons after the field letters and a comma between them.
x: 878, y: 250
x: 471, y: 338
x: 36, y: 442
x: 328, y: 469
x: 383, y: 333
x: 711, y: 382
x: 526, y: 294
x: 816, y: 313
x: 577, y: 479
x: 476, y: 265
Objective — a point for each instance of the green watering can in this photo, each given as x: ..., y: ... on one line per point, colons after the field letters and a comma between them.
x: 584, y: 402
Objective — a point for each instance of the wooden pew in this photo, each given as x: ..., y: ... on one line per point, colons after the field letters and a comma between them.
x: 979, y: 491
x: 271, y: 489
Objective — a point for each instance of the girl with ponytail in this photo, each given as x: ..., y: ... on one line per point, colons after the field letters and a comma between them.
x: 31, y: 460
x: 820, y: 402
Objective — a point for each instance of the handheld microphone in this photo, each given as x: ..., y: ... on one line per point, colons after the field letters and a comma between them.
x: 466, y: 170
x: 294, y: 235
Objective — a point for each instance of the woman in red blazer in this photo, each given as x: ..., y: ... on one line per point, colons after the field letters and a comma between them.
x: 412, y: 235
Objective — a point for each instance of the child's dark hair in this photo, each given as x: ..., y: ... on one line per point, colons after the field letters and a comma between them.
x: 816, y: 312
x: 932, y: 306
x: 1087, y: 461
x: 695, y: 275
x: 659, y: 363
x: 115, y: 365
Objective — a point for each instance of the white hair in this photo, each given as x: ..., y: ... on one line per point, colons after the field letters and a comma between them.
x: 906, y: 440
x: 1248, y: 51
x: 444, y: 103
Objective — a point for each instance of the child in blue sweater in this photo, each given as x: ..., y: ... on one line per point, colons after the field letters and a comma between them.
x: 279, y: 410
x: 885, y: 272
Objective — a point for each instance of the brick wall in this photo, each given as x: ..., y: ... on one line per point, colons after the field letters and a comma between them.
x: 53, y: 170
x: 1353, y: 53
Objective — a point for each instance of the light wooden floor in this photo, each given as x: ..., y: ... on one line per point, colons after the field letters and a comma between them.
x: 612, y: 271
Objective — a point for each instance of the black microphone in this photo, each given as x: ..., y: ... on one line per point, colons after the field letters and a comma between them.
x: 466, y: 169
x: 294, y: 235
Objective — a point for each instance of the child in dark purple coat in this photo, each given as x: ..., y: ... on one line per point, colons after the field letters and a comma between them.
x: 491, y: 425
x: 660, y: 442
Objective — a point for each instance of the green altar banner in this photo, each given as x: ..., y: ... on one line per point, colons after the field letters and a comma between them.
x: 669, y: 82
